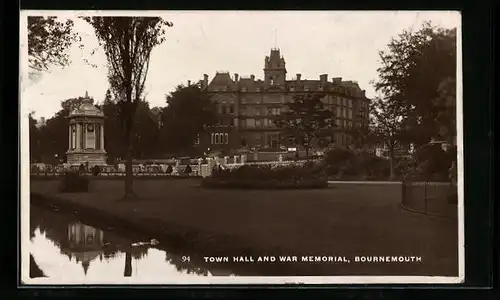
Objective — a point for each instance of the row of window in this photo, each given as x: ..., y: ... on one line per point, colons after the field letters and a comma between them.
x: 219, y: 138
x: 257, y: 111
x: 293, y: 88
x: 257, y: 123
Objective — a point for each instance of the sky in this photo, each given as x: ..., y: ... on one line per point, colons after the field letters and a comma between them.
x: 338, y: 43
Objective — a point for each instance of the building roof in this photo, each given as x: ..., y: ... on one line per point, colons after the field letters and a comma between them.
x: 86, y: 108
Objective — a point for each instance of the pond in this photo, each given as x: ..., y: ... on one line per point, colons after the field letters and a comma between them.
x: 62, y: 246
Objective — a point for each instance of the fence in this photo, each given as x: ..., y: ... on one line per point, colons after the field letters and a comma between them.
x: 199, y: 169
x: 430, y: 198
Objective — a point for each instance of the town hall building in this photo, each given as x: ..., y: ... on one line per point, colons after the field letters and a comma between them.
x: 247, y: 107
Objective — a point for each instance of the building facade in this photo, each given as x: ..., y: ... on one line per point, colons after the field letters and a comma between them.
x: 251, y: 105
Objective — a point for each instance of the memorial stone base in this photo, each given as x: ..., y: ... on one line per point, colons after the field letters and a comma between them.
x: 93, y: 158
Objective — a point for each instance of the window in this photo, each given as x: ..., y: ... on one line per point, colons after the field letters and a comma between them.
x: 216, y: 138
x: 244, y: 89
x: 243, y: 111
x: 223, y: 109
x: 344, y: 112
x: 197, y: 141
x: 212, y: 139
x: 250, y: 123
x: 320, y: 87
x: 235, y: 122
x: 271, y: 80
x: 258, y: 89
x: 337, y: 122
x: 231, y: 109
x: 350, y: 114
x: 339, y: 111
x: 292, y: 88
x: 226, y: 135
x: 349, y: 103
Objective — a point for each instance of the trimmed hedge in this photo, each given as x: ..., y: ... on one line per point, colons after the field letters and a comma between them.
x: 267, y: 177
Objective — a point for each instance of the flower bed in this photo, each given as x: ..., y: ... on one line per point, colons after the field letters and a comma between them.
x: 267, y: 177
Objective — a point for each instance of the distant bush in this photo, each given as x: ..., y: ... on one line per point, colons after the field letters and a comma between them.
x: 433, y: 163
x: 169, y: 169
x: 268, y: 177
x: 73, y: 182
x: 96, y: 170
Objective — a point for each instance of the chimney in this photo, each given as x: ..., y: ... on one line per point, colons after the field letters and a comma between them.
x: 323, y: 78
x: 236, y: 76
x: 298, y: 76
x: 205, y: 80
x: 189, y: 82
x: 252, y: 77
x: 337, y: 79
x: 363, y: 93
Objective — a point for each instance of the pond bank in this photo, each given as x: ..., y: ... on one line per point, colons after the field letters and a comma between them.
x: 342, y: 221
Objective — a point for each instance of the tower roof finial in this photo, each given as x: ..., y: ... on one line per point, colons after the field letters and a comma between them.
x: 86, y: 94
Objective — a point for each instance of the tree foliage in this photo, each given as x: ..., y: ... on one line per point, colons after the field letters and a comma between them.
x: 413, y: 67
x: 388, y: 125
x: 48, y: 42
x: 306, y: 120
x: 127, y: 44
x: 190, y: 109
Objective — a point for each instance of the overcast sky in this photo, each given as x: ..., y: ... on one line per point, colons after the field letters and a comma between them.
x: 340, y: 44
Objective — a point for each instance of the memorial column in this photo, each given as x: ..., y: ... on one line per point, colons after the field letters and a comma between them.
x: 78, y: 136
x: 102, y: 136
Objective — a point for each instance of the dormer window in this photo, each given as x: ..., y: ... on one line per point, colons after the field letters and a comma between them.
x: 292, y: 88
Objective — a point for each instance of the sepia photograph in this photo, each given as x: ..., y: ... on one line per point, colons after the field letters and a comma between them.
x: 241, y: 147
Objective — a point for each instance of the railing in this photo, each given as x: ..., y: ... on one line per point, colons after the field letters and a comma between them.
x: 430, y: 198
x: 203, y: 170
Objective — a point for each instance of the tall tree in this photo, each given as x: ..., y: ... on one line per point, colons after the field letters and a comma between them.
x: 306, y: 121
x: 189, y: 108
x: 388, y: 125
x: 127, y: 44
x: 145, y: 132
x: 413, y: 67
x: 48, y: 42
x: 35, y: 139
x: 445, y: 103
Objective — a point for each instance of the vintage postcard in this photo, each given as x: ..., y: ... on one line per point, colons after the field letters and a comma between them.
x: 240, y: 147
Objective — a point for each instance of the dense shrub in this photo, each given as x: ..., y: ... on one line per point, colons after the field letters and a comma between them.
x: 96, y: 170
x: 268, y: 177
x: 338, y: 156
x: 432, y: 159
x: 73, y: 182
x: 169, y: 169
x: 188, y: 170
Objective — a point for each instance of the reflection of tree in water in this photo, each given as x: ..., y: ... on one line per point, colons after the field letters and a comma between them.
x: 184, y: 265
x: 35, y: 270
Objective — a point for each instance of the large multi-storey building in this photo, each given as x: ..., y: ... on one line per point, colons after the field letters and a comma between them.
x: 249, y: 106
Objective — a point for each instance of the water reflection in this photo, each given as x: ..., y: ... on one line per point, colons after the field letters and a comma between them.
x: 63, y: 247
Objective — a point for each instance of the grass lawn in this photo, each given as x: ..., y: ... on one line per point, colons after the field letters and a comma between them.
x: 344, y: 220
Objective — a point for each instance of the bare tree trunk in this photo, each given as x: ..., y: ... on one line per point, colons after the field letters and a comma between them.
x: 129, y: 174
x: 128, y: 265
x: 392, y: 163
